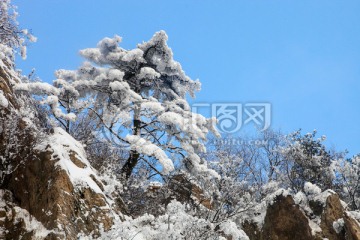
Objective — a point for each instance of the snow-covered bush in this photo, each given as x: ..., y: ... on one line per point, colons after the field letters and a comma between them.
x: 176, y: 223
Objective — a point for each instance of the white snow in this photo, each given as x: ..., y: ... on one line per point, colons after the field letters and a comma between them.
x: 152, y: 106
x: 37, y: 87
x: 145, y: 147
x: 176, y: 223
x: 230, y: 229
x: 338, y: 225
x: 62, y: 144
x: 134, y: 55
x: 148, y: 73
x: 5, y: 52
x: 117, y: 86
x: 311, y: 189
x: 115, y: 74
x: 53, y: 101
x: 31, y: 224
x: 354, y: 214
x: 3, y: 101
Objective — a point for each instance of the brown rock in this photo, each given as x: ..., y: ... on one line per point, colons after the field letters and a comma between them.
x: 75, y: 160
x: 48, y: 194
x: 252, y: 230
x: 39, y: 185
x: 101, y: 186
x: 5, y: 85
x: 333, y: 210
x: 352, y: 228
x: 285, y: 221
x: 184, y: 190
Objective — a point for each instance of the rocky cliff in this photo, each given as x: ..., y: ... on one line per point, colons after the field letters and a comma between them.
x: 49, y: 190
x: 322, y: 218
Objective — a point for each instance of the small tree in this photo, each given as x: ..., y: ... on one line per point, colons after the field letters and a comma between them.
x: 308, y: 161
x: 349, y: 181
x: 138, y: 97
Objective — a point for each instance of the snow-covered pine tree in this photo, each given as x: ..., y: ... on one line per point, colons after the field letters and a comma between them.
x: 139, y: 97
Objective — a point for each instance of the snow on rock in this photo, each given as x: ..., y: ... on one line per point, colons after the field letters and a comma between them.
x: 31, y: 224
x: 3, y: 101
x: 311, y: 189
x: 257, y: 213
x: 354, y: 214
x: 63, y: 146
x: 322, y: 197
x: 270, y: 199
x: 230, y: 229
x: 13, y: 214
x: 338, y: 225
x: 302, y: 199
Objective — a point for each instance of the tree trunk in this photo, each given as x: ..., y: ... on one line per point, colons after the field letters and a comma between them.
x: 133, y: 159
x: 130, y: 165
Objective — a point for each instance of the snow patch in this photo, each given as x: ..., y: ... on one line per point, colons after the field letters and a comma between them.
x: 31, y: 224
x: 230, y: 229
x: 338, y: 225
x: 63, y: 144
x: 3, y: 101
x: 145, y: 147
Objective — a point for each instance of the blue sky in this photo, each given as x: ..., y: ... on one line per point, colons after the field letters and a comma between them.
x: 301, y: 56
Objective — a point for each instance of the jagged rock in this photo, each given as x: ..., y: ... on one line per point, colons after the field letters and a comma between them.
x: 16, y: 222
x: 6, y: 72
x: 252, y: 230
x: 75, y: 160
x: 285, y: 221
x: 352, y: 228
x: 40, y: 180
x: 184, y: 191
x: 332, y: 211
x: 47, y: 192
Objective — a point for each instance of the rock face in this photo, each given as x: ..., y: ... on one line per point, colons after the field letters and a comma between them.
x: 352, y: 228
x: 185, y: 191
x: 332, y: 211
x: 48, y: 194
x: 41, y: 183
x: 252, y: 230
x: 285, y: 221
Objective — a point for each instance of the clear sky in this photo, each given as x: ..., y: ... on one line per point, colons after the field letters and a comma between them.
x: 301, y: 56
